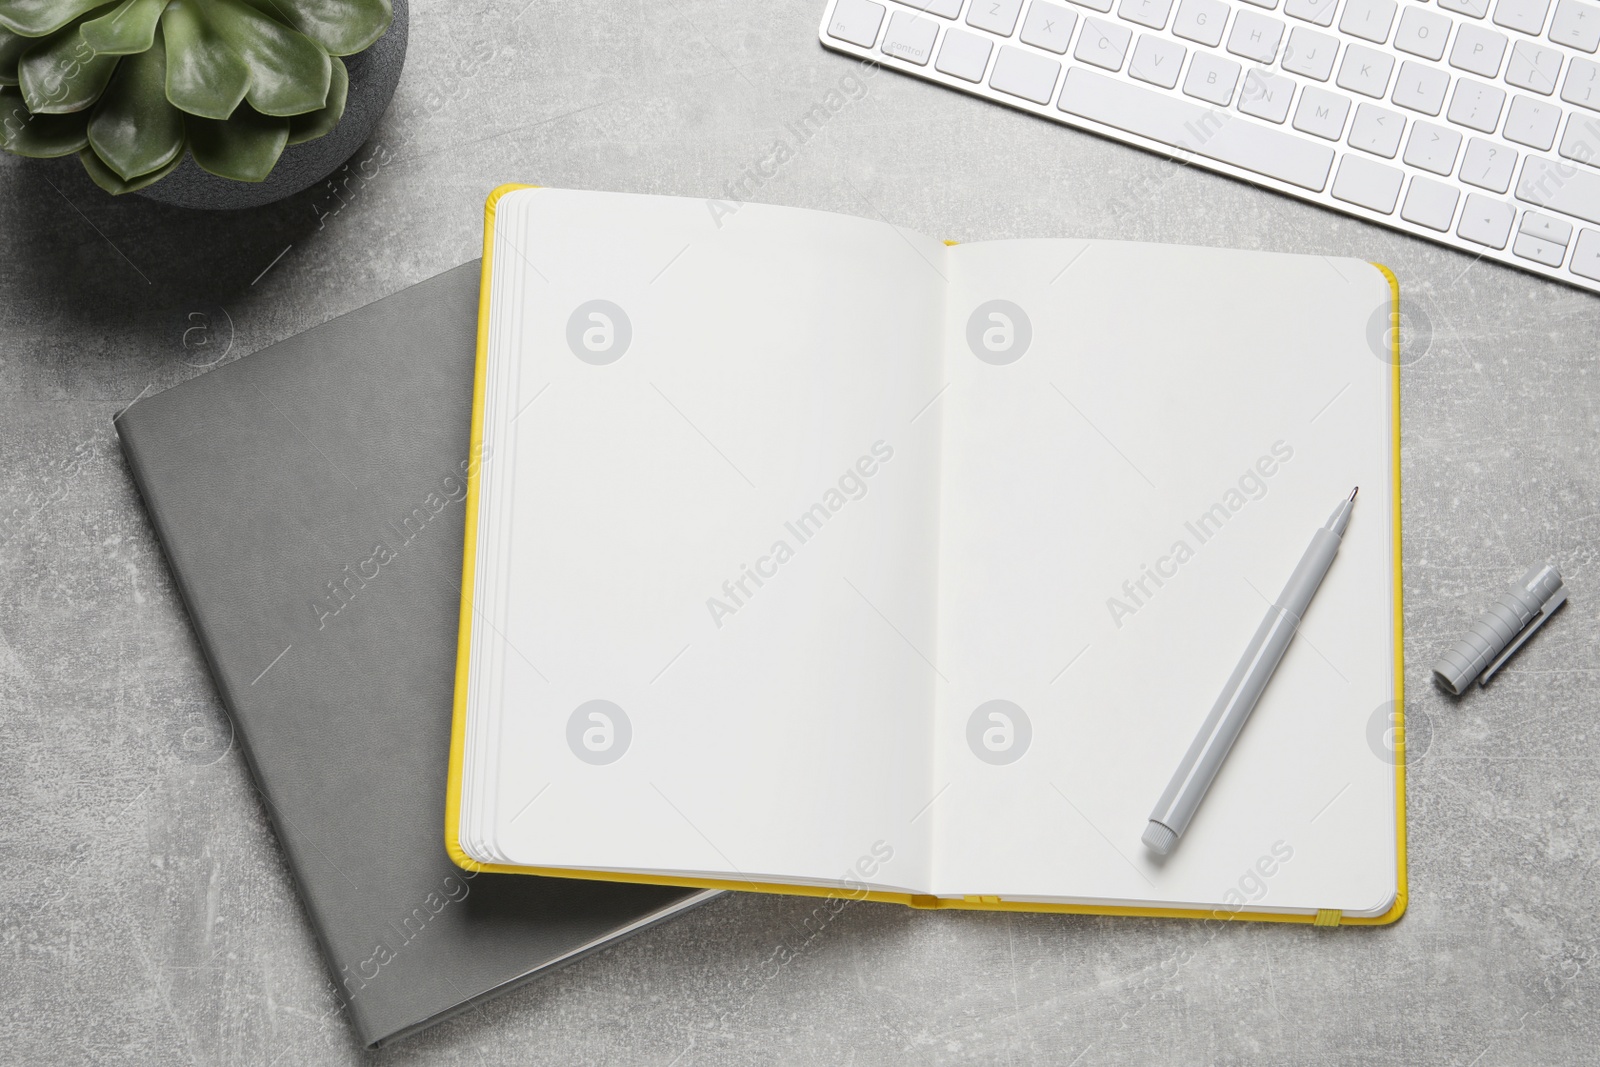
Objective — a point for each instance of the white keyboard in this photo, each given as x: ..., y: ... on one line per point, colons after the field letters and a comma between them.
x: 1472, y: 127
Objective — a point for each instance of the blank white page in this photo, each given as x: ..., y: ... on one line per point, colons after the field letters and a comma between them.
x: 771, y: 392
x: 1159, y: 383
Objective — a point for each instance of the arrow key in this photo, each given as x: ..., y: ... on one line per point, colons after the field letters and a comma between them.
x: 1542, y: 238
x: 1586, y: 255
x: 1486, y: 221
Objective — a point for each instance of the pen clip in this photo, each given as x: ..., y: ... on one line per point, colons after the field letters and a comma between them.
x: 1558, y: 598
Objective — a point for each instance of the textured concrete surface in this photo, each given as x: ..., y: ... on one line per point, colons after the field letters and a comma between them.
x: 147, y: 915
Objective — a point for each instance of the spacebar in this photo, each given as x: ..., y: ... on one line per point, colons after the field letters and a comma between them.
x: 1210, y: 132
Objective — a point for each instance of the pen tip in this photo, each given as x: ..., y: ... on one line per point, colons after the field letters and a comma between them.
x: 1354, y: 491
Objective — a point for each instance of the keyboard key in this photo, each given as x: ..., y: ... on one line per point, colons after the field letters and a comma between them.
x: 945, y: 9
x: 1420, y: 87
x: 1367, y: 19
x: 1026, y: 74
x: 1422, y: 32
x: 1151, y: 13
x: 996, y: 16
x: 1532, y: 122
x: 1310, y: 53
x: 1539, y: 251
x: 1266, y: 96
x: 1581, y: 142
x: 910, y: 37
x: 1368, y: 184
x: 1104, y: 44
x: 856, y: 21
x: 1174, y: 121
x: 1542, y: 239
x: 1430, y: 203
x: 1546, y: 228
x: 963, y: 54
x: 1365, y: 71
x: 1048, y: 26
x: 1576, y: 25
x: 1211, y: 78
x: 1156, y: 60
x: 1582, y: 86
x: 1524, y: 15
x: 1321, y: 113
x: 1478, y: 50
x: 1268, y: 4
x: 1316, y: 12
x: 1486, y: 221
x: 1475, y: 105
x: 1095, y: 5
x: 1432, y: 147
x: 1372, y: 185
x: 1377, y: 130
x: 1475, y: 8
x: 1533, y: 66
x: 1567, y: 189
x: 1488, y: 165
x: 1201, y: 21
x: 1586, y: 255
x: 1255, y: 36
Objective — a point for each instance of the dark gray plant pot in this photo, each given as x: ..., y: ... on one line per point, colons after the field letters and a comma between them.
x: 374, y: 74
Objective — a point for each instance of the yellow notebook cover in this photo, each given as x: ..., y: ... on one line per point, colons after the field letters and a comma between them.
x: 979, y: 903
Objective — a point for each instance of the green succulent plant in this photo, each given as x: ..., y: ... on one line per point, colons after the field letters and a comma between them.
x: 130, y: 85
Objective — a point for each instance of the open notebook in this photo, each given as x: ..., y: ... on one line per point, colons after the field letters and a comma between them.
x: 813, y: 555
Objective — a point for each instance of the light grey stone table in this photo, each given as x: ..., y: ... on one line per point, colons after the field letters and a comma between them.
x: 146, y: 915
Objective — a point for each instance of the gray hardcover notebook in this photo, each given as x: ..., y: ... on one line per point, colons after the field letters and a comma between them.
x: 310, y: 501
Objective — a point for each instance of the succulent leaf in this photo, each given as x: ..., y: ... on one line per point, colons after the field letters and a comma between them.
x: 135, y: 130
x: 12, y: 46
x: 129, y: 28
x: 289, y: 72
x: 39, y: 136
x: 244, y: 147
x: 204, y: 76
x: 61, y: 73
x: 314, y: 124
x: 35, y: 18
x: 132, y: 86
x: 341, y: 27
x: 107, y: 179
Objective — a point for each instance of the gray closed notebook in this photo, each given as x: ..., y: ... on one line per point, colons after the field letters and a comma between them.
x: 310, y: 501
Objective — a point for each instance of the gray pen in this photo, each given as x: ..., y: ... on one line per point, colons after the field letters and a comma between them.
x: 1194, y: 775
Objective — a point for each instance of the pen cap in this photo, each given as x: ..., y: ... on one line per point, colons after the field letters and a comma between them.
x: 1497, y: 627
